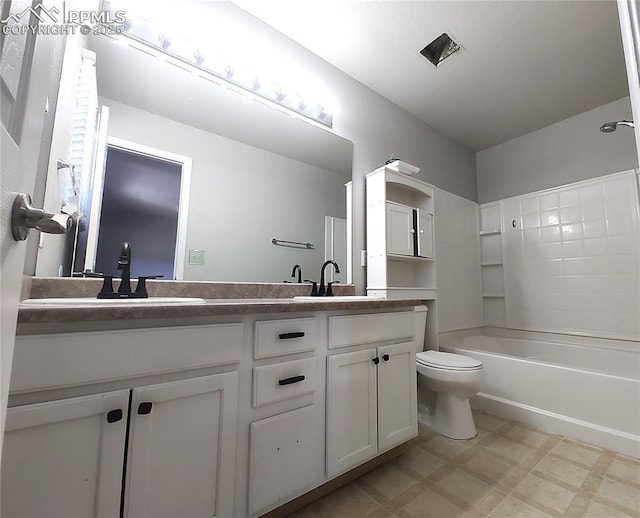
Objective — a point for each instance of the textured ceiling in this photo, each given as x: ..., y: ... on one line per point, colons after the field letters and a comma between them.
x: 524, y: 64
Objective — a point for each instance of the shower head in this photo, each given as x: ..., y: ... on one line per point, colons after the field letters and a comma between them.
x: 610, y: 127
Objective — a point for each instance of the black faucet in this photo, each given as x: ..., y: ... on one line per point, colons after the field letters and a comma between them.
x: 322, y: 292
x: 124, y: 264
x: 124, y: 290
x: 299, y: 270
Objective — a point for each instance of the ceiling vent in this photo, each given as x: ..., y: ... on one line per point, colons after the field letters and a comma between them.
x: 440, y: 49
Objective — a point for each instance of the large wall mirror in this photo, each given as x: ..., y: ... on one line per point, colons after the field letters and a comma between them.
x: 198, y: 178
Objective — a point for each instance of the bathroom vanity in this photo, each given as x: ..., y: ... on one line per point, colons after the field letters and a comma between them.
x: 229, y: 408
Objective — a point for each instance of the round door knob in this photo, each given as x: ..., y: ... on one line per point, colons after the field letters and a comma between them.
x: 385, y: 357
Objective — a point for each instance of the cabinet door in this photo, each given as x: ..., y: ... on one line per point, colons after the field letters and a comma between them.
x: 351, y: 410
x: 281, y: 462
x: 64, y: 458
x: 397, y: 394
x: 399, y: 229
x: 182, y: 448
x: 425, y: 234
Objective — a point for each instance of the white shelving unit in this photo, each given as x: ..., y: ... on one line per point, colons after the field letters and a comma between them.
x: 493, y: 301
x: 400, y: 244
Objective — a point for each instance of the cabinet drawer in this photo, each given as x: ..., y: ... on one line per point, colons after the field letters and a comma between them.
x: 281, y: 463
x: 284, y: 380
x: 350, y: 330
x: 66, y: 359
x: 280, y: 337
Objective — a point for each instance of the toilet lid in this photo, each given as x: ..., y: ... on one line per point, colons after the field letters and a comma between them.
x: 448, y: 361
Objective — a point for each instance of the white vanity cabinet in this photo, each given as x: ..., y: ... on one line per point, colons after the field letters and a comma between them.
x: 283, y: 446
x: 371, y: 392
x: 65, y: 457
x: 70, y: 452
x: 181, y: 448
x: 282, y: 457
x: 221, y: 419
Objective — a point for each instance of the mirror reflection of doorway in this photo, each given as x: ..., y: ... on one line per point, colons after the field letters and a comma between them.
x: 144, y: 201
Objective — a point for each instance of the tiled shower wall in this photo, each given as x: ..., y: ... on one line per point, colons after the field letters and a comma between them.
x: 572, y: 258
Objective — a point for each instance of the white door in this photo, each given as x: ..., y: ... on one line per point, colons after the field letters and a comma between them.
x: 397, y: 395
x: 25, y: 79
x: 64, y: 458
x: 399, y: 229
x: 352, y: 418
x: 425, y: 234
x: 630, y: 30
x: 182, y: 449
x: 159, y: 239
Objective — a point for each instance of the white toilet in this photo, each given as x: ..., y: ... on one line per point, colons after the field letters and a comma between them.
x: 454, y: 378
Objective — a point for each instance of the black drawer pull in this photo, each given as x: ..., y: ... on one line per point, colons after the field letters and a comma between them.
x: 385, y: 357
x: 145, y: 408
x: 287, y: 336
x: 376, y: 360
x: 114, y: 416
x: 292, y: 379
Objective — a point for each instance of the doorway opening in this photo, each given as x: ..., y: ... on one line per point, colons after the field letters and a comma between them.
x: 142, y: 198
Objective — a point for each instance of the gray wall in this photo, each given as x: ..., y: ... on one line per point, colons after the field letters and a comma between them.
x: 378, y: 128
x: 569, y: 151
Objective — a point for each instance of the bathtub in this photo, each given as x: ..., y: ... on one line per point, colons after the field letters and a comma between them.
x: 588, y: 391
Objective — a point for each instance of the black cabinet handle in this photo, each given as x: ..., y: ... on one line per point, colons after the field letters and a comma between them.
x: 385, y: 357
x: 287, y: 336
x: 376, y: 360
x: 114, y: 416
x: 292, y: 379
x: 145, y: 408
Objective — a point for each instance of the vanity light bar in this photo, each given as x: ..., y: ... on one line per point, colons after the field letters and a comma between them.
x: 144, y: 32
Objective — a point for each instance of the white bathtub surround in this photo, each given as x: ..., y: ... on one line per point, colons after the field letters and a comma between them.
x: 587, y: 389
x: 457, y: 248
x: 572, y: 258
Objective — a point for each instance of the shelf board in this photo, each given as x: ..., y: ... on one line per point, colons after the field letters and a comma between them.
x: 493, y: 295
x: 410, y: 258
x: 490, y: 264
x: 403, y: 292
x: 492, y: 232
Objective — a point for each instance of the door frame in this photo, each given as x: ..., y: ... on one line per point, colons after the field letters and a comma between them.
x: 183, y: 205
x: 630, y: 31
x: 330, y: 244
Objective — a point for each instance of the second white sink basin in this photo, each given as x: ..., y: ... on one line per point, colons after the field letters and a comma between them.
x: 92, y: 301
x: 340, y: 298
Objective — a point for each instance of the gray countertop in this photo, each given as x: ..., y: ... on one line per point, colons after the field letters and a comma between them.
x: 34, y: 314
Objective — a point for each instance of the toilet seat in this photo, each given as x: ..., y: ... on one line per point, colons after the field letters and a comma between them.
x: 448, y: 361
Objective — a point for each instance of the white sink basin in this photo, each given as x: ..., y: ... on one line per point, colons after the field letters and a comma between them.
x: 340, y: 298
x: 92, y: 301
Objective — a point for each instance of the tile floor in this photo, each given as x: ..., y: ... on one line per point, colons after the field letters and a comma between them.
x: 507, y: 471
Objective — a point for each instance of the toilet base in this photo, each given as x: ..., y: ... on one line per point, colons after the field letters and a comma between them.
x: 453, y: 417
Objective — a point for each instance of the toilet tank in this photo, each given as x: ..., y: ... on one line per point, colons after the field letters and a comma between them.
x: 420, y: 322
